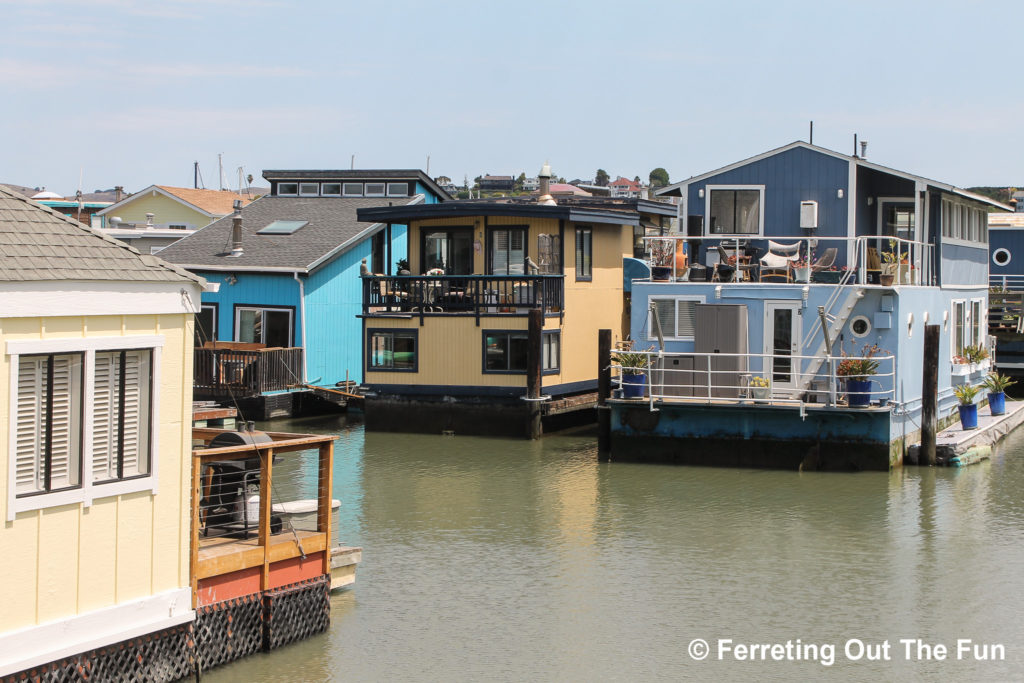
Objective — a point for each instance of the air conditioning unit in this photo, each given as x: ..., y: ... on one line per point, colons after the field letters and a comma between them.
x: 808, y: 214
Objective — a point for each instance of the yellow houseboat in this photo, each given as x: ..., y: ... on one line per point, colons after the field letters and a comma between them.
x: 447, y: 344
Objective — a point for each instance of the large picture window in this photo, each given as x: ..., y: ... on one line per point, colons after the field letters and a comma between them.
x: 392, y: 350
x: 507, y: 351
x: 262, y: 325
x: 735, y: 210
x: 584, y: 254
x: 450, y: 249
x: 48, y: 428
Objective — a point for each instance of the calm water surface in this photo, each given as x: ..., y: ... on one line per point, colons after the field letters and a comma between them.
x: 493, y: 559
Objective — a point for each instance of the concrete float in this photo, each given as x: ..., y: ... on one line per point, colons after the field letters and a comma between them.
x: 959, y: 447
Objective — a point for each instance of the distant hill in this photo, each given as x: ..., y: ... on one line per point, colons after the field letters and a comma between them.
x: 1000, y: 194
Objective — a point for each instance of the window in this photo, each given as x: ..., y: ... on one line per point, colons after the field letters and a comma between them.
x: 82, y: 411
x: 122, y: 387
x: 508, y: 251
x: 977, y: 316
x: 287, y: 189
x: 309, y: 189
x: 1001, y: 256
x: 735, y: 210
x: 398, y: 189
x: 584, y: 254
x: 352, y: 190
x: 177, y: 226
x: 330, y: 190
x: 374, y: 189
x: 48, y: 434
x: 551, y: 352
x: 963, y: 222
x: 392, y: 350
x: 269, y: 326
x: 860, y: 326
x: 505, y: 351
x: 206, y: 324
x: 677, y: 316
x: 450, y: 249
x: 959, y: 327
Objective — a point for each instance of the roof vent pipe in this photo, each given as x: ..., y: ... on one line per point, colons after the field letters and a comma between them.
x: 236, y: 230
x: 544, y: 177
x: 864, y: 149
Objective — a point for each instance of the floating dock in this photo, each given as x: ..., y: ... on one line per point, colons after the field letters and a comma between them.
x: 958, y: 447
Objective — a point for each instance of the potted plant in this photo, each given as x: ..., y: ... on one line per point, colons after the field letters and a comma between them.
x: 663, y: 253
x: 965, y: 394
x: 997, y: 385
x: 856, y: 370
x: 760, y: 387
x: 402, y: 266
x: 633, y: 366
x: 975, y: 353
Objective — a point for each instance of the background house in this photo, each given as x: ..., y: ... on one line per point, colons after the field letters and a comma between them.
x: 161, y: 215
x: 294, y: 279
x: 96, y: 364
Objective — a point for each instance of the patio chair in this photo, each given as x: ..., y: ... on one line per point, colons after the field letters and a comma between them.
x: 825, y: 260
x: 778, y: 260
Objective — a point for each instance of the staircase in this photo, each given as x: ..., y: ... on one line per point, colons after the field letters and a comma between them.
x: 835, y: 321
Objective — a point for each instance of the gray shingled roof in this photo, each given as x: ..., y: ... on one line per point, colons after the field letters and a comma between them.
x: 39, y: 244
x: 332, y: 223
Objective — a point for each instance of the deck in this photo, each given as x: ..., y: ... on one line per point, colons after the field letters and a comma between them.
x: 222, y: 555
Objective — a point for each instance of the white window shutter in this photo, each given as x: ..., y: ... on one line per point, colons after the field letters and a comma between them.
x: 104, y: 418
x: 65, y: 428
x: 29, y: 432
x: 666, y: 316
x: 136, y: 413
x: 687, y: 318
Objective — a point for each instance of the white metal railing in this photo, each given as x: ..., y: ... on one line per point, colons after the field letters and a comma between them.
x: 1009, y: 283
x: 908, y: 262
x: 730, y: 378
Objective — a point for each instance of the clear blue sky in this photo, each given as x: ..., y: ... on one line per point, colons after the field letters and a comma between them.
x: 133, y: 92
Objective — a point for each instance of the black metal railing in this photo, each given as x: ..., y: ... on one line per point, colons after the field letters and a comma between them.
x: 244, y: 373
x: 470, y: 294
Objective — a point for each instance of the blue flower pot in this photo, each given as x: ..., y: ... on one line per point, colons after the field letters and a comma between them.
x: 968, y: 416
x: 858, y: 393
x: 997, y: 403
x: 633, y: 385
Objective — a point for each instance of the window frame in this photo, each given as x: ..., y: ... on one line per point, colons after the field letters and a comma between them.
x: 304, y: 192
x: 87, y: 491
x: 382, y: 193
x: 675, y: 298
x: 148, y: 429
x: 508, y: 334
x: 397, y: 189
x: 282, y: 193
x: 324, y: 192
x: 710, y: 189
x: 587, y: 276
x: 955, y: 321
x: 545, y: 348
x: 215, y: 307
x: 412, y: 332
x: 347, y: 192
x: 288, y: 309
x: 491, y: 244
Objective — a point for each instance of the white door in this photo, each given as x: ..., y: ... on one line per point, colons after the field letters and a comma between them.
x: 782, y: 336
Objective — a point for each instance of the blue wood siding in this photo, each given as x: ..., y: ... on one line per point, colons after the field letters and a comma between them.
x: 1013, y: 242
x: 429, y: 197
x: 261, y: 289
x: 964, y: 265
x: 789, y: 177
x: 334, y: 299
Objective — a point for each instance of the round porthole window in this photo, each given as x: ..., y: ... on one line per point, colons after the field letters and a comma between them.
x: 860, y: 326
x: 1001, y: 256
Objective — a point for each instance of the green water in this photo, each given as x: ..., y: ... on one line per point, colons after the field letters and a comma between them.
x: 494, y: 559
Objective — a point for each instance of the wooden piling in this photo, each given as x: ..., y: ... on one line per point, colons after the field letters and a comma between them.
x: 533, y: 372
x: 604, y: 390
x: 929, y: 394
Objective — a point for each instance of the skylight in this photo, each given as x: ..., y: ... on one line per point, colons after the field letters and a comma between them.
x: 281, y: 228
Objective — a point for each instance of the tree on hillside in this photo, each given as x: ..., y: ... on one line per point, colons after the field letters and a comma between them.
x: 519, y: 182
x: 601, y: 179
x: 658, y: 178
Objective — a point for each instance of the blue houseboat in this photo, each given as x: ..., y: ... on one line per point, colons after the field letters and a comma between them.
x: 794, y: 334
x: 1006, y: 296
x: 288, y: 267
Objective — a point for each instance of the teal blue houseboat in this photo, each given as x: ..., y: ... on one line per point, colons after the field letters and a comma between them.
x: 795, y: 335
x: 288, y: 268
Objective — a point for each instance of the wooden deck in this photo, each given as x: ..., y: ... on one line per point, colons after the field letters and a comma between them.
x: 223, y: 555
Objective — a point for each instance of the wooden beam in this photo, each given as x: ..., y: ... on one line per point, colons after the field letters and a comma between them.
x: 266, y: 472
x: 324, y: 497
x: 193, y: 560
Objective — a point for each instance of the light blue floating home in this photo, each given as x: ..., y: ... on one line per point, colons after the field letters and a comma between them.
x: 288, y: 267
x: 794, y: 335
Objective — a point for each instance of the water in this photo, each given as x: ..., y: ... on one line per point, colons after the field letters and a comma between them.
x: 493, y: 559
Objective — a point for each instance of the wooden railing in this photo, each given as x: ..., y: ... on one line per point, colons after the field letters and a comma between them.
x: 471, y: 294
x: 1004, y: 312
x: 245, y: 372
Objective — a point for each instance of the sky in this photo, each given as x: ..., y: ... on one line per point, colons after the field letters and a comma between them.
x: 116, y: 92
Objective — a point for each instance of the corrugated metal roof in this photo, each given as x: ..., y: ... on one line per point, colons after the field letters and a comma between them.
x: 39, y: 244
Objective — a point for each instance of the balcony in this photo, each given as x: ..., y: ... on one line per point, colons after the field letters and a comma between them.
x: 244, y: 370
x: 471, y: 295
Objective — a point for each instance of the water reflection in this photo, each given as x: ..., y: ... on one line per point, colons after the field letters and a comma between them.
x: 502, y: 559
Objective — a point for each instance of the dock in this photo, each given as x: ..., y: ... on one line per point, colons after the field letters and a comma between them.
x: 957, y: 447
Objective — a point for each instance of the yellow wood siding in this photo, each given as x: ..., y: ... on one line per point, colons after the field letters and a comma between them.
x: 164, y: 209
x: 67, y: 560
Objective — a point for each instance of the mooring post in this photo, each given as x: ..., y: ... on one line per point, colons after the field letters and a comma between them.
x: 929, y: 394
x: 604, y: 390
x: 533, y: 371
